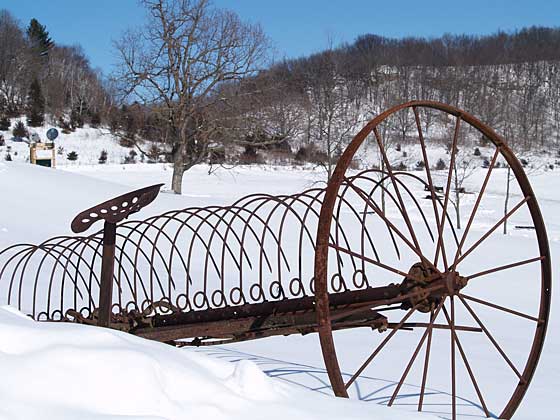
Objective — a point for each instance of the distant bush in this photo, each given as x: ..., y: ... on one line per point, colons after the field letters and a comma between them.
x: 8, y: 157
x: 60, y: 151
x: 2, y: 141
x: 131, y: 158
x: 76, y: 120
x: 103, y: 157
x: 4, y: 124
x: 19, y: 130
x: 398, y: 147
x: 400, y: 167
x: 95, y: 119
x: 420, y: 165
x: 72, y: 156
x: 524, y: 162
x: 153, y: 153
x: 440, y: 164
x: 217, y: 156
x: 250, y: 155
x: 476, y: 151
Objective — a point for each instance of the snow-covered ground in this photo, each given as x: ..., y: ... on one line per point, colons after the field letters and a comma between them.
x: 83, y: 372
x: 69, y: 372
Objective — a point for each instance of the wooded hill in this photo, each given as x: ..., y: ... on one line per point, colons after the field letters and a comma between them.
x: 511, y: 81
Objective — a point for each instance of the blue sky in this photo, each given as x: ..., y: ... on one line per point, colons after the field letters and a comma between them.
x: 295, y: 27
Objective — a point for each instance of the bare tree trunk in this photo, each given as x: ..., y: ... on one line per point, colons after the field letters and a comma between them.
x: 178, y: 169
x: 457, y: 208
x: 507, y: 198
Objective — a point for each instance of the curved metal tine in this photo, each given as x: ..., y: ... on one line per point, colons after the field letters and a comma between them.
x: 415, y: 354
x: 476, y: 204
x: 397, y: 191
x: 376, y: 209
x: 381, y: 345
x: 426, y: 364
x: 446, y: 199
x: 467, y: 364
x: 500, y: 308
x: 489, y: 232
x: 491, y: 338
x: 505, y: 267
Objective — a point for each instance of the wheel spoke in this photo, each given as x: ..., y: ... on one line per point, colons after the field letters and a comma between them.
x: 426, y: 363
x: 373, y: 262
x: 453, y: 386
x: 397, y: 190
x: 487, y: 234
x: 477, y: 203
x: 426, y: 165
x: 446, y: 199
x: 490, y: 337
x: 381, y: 345
x: 501, y: 308
x: 415, y: 354
x: 371, y: 204
x: 467, y: 365
x: 505, y: 267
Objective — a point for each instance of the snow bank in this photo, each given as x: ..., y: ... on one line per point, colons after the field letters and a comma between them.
x: 65, y: 371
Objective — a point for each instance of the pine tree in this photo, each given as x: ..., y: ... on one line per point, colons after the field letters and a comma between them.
x: 72, y: 156
x: 35, y: 105
x: 39, y: 37
x: 19, y: 130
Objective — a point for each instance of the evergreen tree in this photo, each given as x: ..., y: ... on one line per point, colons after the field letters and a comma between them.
x: 19, y: 130
x: 39, y: 37
x: 35, y: 105
x: 72, y: 156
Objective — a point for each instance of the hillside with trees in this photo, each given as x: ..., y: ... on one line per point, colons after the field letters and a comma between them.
x: 214, y: 97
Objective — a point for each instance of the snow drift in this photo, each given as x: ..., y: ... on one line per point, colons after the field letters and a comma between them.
x: 69, y: 371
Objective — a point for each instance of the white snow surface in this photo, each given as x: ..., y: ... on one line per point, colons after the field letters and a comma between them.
x: 52, y: 371
x: 68, y: 372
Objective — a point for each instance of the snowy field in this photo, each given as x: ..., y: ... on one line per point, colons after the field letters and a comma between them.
x: 201, y: 383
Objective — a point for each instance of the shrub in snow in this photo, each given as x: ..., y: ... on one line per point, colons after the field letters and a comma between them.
x: 398, y: 147
x: 2, y: 141
x: 400, y: 167
x: 524, y: 162
x: 72, y: 156
x: 420, y: 165
x: 476, y: 151
x: 485, y: 163
x: 153, y: 153
x: 19, y: 130
x: 8, y: 157
x: 131, y: 158
x: 95, y: 120
x: 404, y: 154
x: 60, y: 151
x: 4, y: 124
x: 103, y: 157
x: 250, y: 155
x: 76, y: 119
x: 440, y: 164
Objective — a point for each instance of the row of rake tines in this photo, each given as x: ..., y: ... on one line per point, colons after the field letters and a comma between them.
x: 156, y: 247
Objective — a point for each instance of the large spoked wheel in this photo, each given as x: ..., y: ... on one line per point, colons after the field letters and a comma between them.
x: 472, y: 347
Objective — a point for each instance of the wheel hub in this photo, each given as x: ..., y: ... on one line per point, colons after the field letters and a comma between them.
x: 419, y: 282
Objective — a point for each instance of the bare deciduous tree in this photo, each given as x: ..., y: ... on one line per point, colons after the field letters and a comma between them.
x: 177, y: 61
